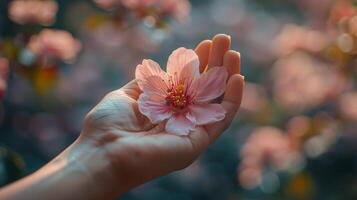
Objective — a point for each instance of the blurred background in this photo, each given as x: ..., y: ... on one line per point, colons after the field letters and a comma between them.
x: 295, y: 136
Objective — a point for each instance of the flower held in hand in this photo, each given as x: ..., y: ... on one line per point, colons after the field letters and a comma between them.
x: 182, y: 96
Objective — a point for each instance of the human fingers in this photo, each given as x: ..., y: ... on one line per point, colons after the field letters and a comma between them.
x: 220, y: 45
x: 203, y: 50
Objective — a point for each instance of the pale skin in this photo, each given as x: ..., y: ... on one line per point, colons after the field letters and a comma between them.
x: 119, y: 149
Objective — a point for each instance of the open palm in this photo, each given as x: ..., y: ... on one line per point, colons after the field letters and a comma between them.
x: 142, y: 151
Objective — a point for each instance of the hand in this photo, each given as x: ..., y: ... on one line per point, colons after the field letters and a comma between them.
x: 119, y: 148
x: 140, y: 151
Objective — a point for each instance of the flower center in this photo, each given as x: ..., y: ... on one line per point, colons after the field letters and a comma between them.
x: 176, y: 97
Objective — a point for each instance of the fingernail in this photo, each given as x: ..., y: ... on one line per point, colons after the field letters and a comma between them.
x: 225, y: 35
x: 228, y: 36
x: 243, y: 77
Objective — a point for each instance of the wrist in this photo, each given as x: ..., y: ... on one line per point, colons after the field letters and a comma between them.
x: 91, y: 164
x: 80, y: 172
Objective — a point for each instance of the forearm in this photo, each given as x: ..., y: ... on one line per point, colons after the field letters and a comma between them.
x: 80, y: 172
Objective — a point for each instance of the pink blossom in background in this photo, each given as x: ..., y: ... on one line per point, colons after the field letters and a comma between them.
x: 181, y: 95
x: 294, y: 37
x: 33, y: 11
x: 179, y: 9
x: 4, y: 70
x: 265, y: 146
x: 56, y: 44
x: 267, y: 143
x: 301, y: 81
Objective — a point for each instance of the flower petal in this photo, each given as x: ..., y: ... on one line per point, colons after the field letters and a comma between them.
x: 189, y: 75
x: 146, y: 69
x: 206, y: 113
x: 178, y: 124
x: 154, y: 85
x: 180, y: 59
x: 212, y: 84
x: 190, y: 70
x: 154, y: 107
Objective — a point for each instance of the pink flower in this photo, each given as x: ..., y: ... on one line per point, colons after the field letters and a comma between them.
x: 294, y: 37
x: 33, y: 11
x: 267, y: 144
x: 182, y: 96
x: 265, y: 147
x: 302, y: 82
x: 179, y: 9
x: 56, y: 44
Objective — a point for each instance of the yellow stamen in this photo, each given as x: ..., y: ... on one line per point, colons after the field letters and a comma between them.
x: 176, y: 97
